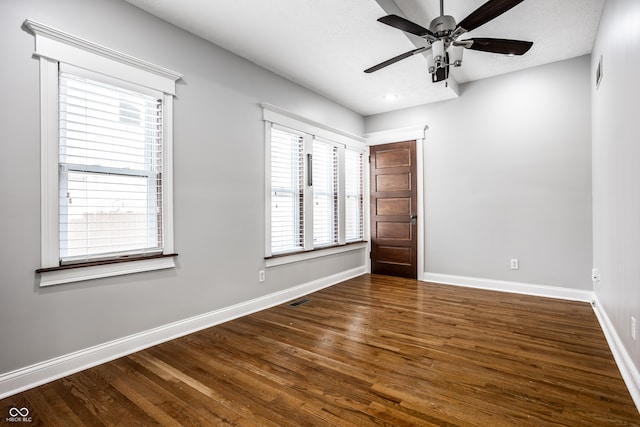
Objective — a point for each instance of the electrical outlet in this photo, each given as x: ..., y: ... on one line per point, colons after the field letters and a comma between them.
x: 261, y: 276
x: 595, y: 275
x: 633, y: 328
x: 515, y: 264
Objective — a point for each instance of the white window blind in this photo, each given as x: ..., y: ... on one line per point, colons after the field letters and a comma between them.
x: 110, y: 170
x: 287, y: 191
x: 325, y: 194
x: 354, y: 199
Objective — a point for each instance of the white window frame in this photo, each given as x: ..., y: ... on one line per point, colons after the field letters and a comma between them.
x: 53, y: 48
x: 276, y: 117
x: 304, y: 137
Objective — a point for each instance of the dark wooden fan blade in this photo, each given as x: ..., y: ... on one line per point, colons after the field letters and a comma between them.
x: 395, y: 59
x: 505, y: 46
x: 485, y: 13
x: 404, y: 25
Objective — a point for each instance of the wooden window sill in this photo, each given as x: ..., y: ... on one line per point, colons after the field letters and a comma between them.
x: 106, y: 268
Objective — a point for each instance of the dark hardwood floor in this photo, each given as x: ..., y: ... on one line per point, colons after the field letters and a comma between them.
x: 373, y: 350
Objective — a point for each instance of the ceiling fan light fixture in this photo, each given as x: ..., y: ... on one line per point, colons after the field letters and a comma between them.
x: 455, y: 55
x: 431, y: 65
x: 438, y: 52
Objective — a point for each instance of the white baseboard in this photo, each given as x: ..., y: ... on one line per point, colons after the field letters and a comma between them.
x: 514, y: 287
x: 624, y: 361
x: 41, y: 373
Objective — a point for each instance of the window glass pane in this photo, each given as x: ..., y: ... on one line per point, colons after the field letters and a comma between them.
x: 287, y: 232
x: 354, y: 215
x: 325, y: 194
x: 106, y: 214
x: 103, y: 125
x: 110, y: 178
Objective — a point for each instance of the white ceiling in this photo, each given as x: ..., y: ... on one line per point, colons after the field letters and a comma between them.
x: 325, y: 45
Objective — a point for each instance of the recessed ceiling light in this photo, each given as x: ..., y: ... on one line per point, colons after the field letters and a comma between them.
x: 390, y: 97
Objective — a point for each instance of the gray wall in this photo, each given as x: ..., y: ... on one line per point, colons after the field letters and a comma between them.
x: 616, y: 175
x: 219, y: 182
x: 508, y: 175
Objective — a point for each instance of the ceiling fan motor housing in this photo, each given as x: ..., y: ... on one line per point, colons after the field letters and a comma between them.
x: 442, y: 26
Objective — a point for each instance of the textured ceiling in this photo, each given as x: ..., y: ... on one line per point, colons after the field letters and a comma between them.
x: 325, y: 45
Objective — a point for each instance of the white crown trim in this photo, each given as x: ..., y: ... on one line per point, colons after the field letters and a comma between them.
x: 57, y: 45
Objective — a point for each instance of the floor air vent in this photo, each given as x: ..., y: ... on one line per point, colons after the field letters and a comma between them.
x: 297, y: 303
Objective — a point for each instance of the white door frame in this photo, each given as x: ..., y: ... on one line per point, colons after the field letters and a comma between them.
x: 416, y: 133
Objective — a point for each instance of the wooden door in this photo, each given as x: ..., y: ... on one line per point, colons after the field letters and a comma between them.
x: 394, y: 240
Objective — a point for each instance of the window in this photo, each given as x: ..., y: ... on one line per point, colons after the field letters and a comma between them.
x: 106, y: 129
x: 110, y: 170
x: 354, y: 189
x: 325, y: 194
x: 315, y: 184
x: 287, y: 204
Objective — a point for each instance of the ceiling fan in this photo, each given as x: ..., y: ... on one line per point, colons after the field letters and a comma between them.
x: 443, y: 38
